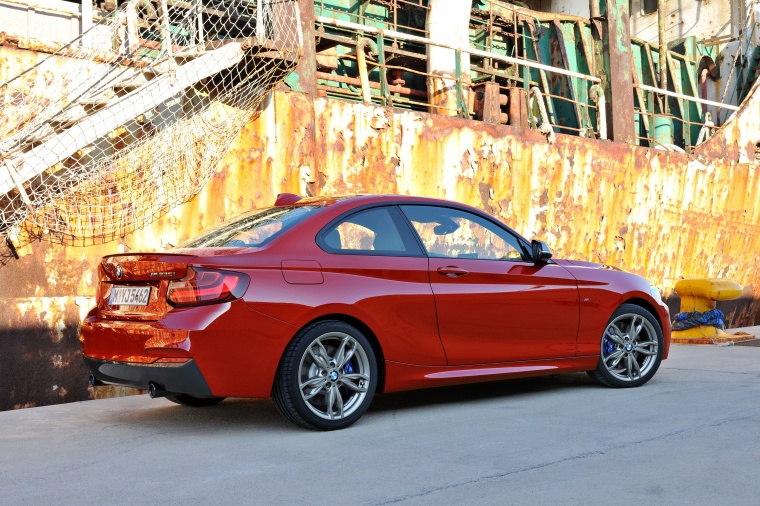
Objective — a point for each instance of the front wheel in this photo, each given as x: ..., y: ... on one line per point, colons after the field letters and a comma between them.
x: 631, y: 348
x: 327, y: 377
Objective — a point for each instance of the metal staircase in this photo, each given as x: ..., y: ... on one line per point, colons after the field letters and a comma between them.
x: 190, y: 76
x: 76, y: 129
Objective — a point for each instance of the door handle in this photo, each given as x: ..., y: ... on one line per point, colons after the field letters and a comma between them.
x: 452, y: 271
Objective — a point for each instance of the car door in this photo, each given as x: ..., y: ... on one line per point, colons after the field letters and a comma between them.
x: 376, y: 267
x: 493, y: 304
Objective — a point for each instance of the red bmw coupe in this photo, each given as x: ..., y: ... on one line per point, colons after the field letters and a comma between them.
x: 322, y: 302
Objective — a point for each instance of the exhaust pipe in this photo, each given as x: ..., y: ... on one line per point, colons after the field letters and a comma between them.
x: 95, y: 382
x: 155, y: 390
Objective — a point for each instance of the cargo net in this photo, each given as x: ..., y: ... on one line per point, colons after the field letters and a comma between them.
x: 130, y: 119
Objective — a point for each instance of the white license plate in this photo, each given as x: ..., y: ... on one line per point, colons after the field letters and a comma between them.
x: 129, y: 296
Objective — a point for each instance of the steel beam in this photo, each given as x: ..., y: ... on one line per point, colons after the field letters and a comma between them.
x: 307, y: 67
x: 617, y: 65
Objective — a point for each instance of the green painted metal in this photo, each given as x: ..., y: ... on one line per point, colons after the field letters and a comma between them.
x: 541, y: 40
x: 587, y: 47
x: 526, y: 78
x: 462, y: 111
x: 663, y: 129
x: 683, y: 76
x: 578, y: 88
x: 572, y: 43
x: 294, y: 81
x: 641, y: 99
x: 674, y: 74
x: 379, y: 14
x: 681, y: 129
x: 748, y: 72
x: 384, y: 92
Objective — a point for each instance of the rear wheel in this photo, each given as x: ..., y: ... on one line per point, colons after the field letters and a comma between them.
x: 196, y: 402
x: 327, y: 377
x: 631, y: 348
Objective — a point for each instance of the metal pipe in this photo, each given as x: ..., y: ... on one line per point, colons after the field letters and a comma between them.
x: 155, y: 390
x: 132, y: 41
x: 597, y: 95
x: 595, y: 11
x: 200, y: 36
x: 361, y: 61
x: 384, y: 93
x: 166, y: 36
x: 391, y: 34
x: 669, y: 93
x: 372, y: 84
x: 661, y: 14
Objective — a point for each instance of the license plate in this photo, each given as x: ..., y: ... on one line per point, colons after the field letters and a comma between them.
x: 129, y: 296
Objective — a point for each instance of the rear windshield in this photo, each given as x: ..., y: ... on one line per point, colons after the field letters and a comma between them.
x: 252, y: 229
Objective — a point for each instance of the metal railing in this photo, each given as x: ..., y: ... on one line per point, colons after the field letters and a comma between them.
x: 388, y: 45
x: 667, y: 131
x: 363, y: 15
x: 409, y: 86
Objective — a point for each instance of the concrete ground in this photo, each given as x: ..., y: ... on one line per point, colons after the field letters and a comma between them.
x: 690, y: 436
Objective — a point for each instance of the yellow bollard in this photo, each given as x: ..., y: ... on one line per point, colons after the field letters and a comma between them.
x: 701, y: 295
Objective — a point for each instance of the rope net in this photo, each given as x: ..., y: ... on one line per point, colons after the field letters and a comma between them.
x: 130, y: 119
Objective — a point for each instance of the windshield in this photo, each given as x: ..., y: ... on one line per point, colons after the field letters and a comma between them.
x: 252, y: 229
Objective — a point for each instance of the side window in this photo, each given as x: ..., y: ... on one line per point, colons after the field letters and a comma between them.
x: 374, y: 231
x: 452, y: 233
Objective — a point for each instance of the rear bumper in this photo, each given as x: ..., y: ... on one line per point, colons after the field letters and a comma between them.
x: 183, y: 378
x: 234, y: 350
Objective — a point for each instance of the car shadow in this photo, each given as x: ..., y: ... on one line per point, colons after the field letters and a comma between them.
x: 236, y: 414
x: 232, y: 414
x: 479, y: 391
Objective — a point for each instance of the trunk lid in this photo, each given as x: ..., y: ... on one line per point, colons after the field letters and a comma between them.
x: 133, y: 286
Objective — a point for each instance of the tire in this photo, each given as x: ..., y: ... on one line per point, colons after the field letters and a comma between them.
x: 327, y: 377
x: 196, y: 402
x: 630, y: 348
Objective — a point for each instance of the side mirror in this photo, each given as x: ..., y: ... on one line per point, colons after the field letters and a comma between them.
x: 540, y: 252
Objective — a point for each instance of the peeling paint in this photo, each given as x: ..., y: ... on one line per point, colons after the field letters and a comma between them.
x: 659, y: 214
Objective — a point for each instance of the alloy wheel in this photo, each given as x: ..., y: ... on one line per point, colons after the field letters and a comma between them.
x: 629, y: 347
x: 334, y: 375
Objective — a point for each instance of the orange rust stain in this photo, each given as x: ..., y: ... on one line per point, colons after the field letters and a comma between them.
x: 663, y: 215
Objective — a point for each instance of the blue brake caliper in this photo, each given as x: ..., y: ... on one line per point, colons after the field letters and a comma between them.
x: 607, y: 346
x: 347, y: 369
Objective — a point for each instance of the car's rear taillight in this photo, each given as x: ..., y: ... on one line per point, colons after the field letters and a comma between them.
x: 206, y: 286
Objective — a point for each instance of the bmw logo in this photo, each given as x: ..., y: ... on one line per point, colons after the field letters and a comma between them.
x: 118, y: 271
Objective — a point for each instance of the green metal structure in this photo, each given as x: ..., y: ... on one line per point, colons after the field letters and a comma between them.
x: 397, y: 73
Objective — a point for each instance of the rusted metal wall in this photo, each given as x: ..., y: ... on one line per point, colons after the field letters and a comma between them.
x: 662, y: 215
x: 659, y: 214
